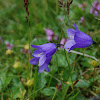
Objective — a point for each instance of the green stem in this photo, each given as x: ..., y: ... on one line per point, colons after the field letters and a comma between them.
x: 68, y: 61
x: 66, y: 88
x: 35, y: 81
x: 49, y: 81
x: 53, y: 72
x: 54, y: 94
x: 56, y: 6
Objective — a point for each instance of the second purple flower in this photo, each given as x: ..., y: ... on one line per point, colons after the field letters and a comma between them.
x: 78, y: 39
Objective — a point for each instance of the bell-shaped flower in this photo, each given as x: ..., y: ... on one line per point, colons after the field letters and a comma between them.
x: 78, y: 39
x: 43, y: 55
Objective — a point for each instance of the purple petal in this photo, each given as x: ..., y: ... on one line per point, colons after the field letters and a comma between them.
x: 82, y: 39
x: 45, y: 47
x: 48, y: 59
x: 69, y: 44
x: 81, y: 45
x: 47, y: 69
x: 37, y: 53
x: 35, y: 46
x: 48, y: 46
x: 74, y: 46
x: 50, y: 52
x: 45, y: 65
x: 42, y: 68
x: 71, y: 33
x: 42, y: 60
x: 75, y: 26
x: 34, y: 61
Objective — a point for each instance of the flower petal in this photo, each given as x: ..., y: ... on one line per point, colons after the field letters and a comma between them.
x: 47, y: 69
x: 37, y: 53
x: 82, y: 39
x: 48, y: 46
x: 34, y: 61
x: 71, y: 33
x: 69, y: 44
x: 35, y: 46
x: 45, y: 65
x: 48, y: 59
x: 45, y: 47
x: 42, y: 60
x: 75, y: 26
x: 42, y: 68
x: 50, y: 52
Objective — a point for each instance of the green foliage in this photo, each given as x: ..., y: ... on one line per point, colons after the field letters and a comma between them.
x: 81, y: 82
x: 48, y: 91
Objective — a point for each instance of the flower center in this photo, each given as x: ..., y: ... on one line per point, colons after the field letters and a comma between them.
x: 72, y: 37
x: 40, y: 54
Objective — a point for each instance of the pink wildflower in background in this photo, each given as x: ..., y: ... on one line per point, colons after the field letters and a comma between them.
x: 82, y: 6
x: 24, y: 51
x: 8, y: 45
x: 60, y: 19
x: 63, y: 41
x: 82, y: 20
x: 95, y: 8
x: 50, y: 34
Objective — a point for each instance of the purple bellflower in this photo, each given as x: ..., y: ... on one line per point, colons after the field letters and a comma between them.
x: 78, y: 39
x: 43, y: 55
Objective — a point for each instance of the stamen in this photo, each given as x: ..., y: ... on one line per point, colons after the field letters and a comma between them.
x: 40, y: 54
x: 72, y: 37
